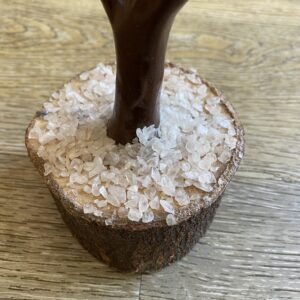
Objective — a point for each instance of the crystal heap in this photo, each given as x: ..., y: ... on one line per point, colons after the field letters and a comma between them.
x: 162, y: 171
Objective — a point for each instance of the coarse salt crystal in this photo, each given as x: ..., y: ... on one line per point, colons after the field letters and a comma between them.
x: 132, y: 203
x: 196, y: 137
x: 167, y: 206
x: 100, y: 203
x: 134, y: 215
x: 143, y: 203
x: 88, y: 208
x: 148, y: 216
x: 113, y: 200
x: 103, y: 192
x: 171, y: 220
x: 154, y: 203
x: 87, y: 189
x: 182, y: 197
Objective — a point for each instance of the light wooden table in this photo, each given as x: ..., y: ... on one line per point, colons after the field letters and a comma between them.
x: 251, y: 49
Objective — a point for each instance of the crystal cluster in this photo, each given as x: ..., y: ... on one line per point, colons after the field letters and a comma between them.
x: 153, y: 177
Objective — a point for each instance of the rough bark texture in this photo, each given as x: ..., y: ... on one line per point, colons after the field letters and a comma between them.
x: 137, y: 250
x: 139, y: 247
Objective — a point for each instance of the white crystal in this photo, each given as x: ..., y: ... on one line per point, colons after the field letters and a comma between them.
x: 108, y: 222
x: 134, y: 215
x: 84, y: 76
x: 206, y: 177
x: 122, y: 212
x: 147, y: 181
x: 87, y: 189
x: 191, y: 175
x: 148, y: 216
x: 150, y: 192
x: 77, y: 178
x: 145, y: 134
x: 167, y: 185
x: 47, y: 137
x: 154, y: 203
x: 167, y: 206
x: 133, y: 188
x: 88, y: 208
x: 132, y: 203
x: 76, y: 164
x: 96, y: 166
x: 111, y: 159
x: 98, y: 213
x: 103, y: 192
x: 143, y: 203
x: 171, y: 220
x: 225, y: 156
x: 50, y: 107
x: 100, y: 203
x: 47, y: 169
x: 182, y: 197
x: 203, y: 186
x: 95, y: 188
x: 185, y: 166
x: 113, y: 201
x: 107, y: 176
x: 118, y: 192
x: 230, y: 141
x: 155, y: 175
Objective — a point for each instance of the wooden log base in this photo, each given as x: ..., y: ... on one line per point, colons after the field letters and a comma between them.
x: 139, y: 247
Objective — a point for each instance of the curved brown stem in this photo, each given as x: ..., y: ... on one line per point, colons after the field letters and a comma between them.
x: 141, y: 30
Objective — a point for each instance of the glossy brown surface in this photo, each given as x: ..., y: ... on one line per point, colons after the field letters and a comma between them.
x: 141, y: 31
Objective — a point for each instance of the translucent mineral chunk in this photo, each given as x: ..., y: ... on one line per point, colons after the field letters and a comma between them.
x: 88, y: 208
x: 118, y: 192
x: 134, y: 215
x: 154, y: 203
x: 167, y: 206
x: 171, y: 220
x: 182, y: 197
x: 143, y: 203
x: 113, y: 201
x: 148, y: 216
x: 167, y: 185
x: 103, y: 192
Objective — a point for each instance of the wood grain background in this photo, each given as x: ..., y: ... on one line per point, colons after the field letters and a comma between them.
x: 251, y: 49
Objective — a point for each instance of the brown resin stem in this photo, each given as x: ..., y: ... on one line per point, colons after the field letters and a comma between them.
x: 141, y: 31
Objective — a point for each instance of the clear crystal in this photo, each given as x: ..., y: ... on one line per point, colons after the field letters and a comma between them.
x: 155, y: 175
x: 113, y: 201
x: 132, y: 203
x: 134, y: 215
x: 118, y: 192
x: 171, y: 220
x: 88, y: 208
x: 167, y: 206
x: 154, y: 203
x: 148, y: 216
x: 143, y: 203
x: 87, y: 189
x: 100, y: 203
x: 103, y: 192
x: 182, y: 197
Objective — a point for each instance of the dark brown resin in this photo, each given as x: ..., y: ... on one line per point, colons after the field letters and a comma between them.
x: 141, y: 31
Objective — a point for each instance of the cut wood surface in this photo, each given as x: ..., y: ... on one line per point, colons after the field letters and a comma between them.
x: 251, y: 50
